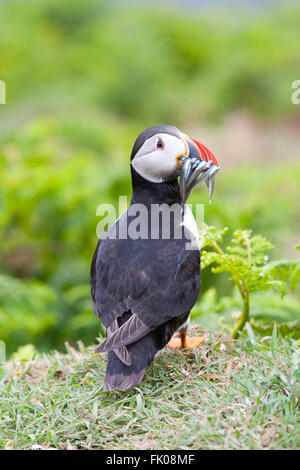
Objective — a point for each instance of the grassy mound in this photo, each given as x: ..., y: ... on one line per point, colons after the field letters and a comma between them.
x: 227, y: 394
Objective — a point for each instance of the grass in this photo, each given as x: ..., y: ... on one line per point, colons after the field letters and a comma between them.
x: 227, y: 394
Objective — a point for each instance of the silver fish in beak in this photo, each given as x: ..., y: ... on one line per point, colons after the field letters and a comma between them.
x: 198, y: 165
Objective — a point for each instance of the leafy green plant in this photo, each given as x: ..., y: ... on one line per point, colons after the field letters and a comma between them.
x: 247, y: 262
x: 287, y: 270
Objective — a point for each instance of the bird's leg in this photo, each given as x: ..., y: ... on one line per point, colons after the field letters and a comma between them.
x: 183, y: 341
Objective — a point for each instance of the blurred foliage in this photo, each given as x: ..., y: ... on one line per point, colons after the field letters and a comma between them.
x: 25, y: 353
x: 149, y: 64
x: 83, y: 78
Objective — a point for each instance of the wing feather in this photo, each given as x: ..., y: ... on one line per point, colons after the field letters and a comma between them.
x: 130, y: 331
x: 122, y: 353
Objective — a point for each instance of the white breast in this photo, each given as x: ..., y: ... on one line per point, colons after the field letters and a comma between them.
x: 190, y: 227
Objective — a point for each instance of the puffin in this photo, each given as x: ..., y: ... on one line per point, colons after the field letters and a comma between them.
x: 145, y: 272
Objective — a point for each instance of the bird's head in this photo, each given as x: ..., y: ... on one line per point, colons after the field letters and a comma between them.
x: 163, y: 153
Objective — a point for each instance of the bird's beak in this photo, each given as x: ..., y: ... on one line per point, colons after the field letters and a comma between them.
x: 198, y: 164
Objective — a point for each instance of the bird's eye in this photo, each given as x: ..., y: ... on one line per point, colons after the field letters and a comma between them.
x: 160, y: 145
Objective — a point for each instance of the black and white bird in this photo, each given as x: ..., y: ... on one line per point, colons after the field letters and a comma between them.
x: 144, y: 282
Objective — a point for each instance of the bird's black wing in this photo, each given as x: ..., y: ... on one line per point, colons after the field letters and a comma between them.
x: 156, y: 280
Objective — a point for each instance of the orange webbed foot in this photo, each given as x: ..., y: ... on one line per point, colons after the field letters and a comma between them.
x: 192, y: 342
x: 186, y: 342
x: 175, y: 343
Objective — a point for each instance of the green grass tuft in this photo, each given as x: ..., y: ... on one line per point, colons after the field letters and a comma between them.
x: 226, y: 394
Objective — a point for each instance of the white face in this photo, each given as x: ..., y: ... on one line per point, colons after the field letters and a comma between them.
x: 156, y: 159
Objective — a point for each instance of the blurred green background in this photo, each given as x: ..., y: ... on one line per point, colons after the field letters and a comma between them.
x: 83, y: 79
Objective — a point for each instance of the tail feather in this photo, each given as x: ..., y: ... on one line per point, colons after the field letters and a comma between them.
x: 119, y: 376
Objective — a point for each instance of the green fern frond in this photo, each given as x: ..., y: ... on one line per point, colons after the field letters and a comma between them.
x: 248, y: 265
